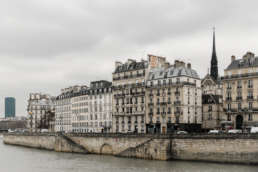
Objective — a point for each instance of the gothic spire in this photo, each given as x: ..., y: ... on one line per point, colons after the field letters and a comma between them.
x: 214, y: 62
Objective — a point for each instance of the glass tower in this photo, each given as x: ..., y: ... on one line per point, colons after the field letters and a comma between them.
x: 9, y: 107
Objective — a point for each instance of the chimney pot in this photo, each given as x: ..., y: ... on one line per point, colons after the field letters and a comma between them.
x: 189, y: 65
x: 233, y: 58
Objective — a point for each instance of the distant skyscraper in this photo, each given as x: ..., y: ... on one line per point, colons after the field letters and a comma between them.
x: 9, y: 107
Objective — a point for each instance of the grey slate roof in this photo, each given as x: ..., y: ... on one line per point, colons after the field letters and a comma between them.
x: 171, y: 72
x: 241, y: 63
x: 132, y: 66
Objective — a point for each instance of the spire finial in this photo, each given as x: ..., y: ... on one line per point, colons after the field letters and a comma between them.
x: 214, y: 62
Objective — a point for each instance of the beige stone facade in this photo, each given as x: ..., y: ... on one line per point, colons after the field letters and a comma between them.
x: 240, y: 91
x: 92, y: 108
x: 129, y: 96
x: 173, y: 98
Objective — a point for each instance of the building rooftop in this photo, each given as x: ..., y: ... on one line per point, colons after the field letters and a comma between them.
x: 171, y: 72
x: 131, y: 65
x: 248, y: 60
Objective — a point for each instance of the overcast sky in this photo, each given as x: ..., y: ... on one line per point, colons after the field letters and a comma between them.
x: 46, y: 45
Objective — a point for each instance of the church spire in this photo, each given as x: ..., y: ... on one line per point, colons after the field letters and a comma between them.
x: 214, y: 62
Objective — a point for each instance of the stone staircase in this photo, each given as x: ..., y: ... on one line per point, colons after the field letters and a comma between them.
x: 75, y: 146
x: 132, y: 151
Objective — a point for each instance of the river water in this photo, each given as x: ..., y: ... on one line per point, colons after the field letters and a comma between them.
x: 20, y: 159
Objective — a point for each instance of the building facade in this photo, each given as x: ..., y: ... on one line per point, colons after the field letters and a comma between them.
x: 173, y: 98
x: 92, y: 108
x: 63, y: 103
x: 10, y: 107
x: 129, y: 96
x: 240, y: 91
x: 41, y: 112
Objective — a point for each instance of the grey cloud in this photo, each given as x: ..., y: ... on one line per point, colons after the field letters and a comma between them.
x: 47, y: 45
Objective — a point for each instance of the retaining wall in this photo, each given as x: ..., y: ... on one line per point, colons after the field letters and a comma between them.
x: 215, y: 148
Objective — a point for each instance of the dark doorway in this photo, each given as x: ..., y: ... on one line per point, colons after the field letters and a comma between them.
x: 239, y: 121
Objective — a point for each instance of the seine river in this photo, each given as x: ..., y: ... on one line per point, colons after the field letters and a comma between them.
x: 20, y: 159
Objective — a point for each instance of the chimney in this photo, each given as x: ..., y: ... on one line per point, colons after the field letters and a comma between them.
x: 117, y: 63
x: 177, y: 63
x: 182, y: 64
x: 248, y: 55
x: 130, y: 61
x: 233, y: 58
x: 189, y: 66
x: 166, y: 65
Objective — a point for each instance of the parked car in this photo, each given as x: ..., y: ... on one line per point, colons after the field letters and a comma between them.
x: 10, y: 131
x: 254, y: 130
x: 234, y: 131
x: 182, y: 132
x: 213, y: 132
x: 44, y: 130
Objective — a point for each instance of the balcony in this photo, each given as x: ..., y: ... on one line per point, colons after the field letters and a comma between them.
x: 150, y: 104
x: 158, y: 103
x: 150, y: 113
x: 238, y: 98
x: 150, y: 94
x: 158, y: 94
x: 229, y: 99
x: 250, y: 97
x: 177, y: 102
x: 177, y: 112
x: 119, y: 95
x: 177, y: 93
x: 163, y: 103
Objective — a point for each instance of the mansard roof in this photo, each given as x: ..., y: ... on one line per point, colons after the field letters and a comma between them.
x: 243, y: 63
x: 131, y: 66
x: 160, y: 73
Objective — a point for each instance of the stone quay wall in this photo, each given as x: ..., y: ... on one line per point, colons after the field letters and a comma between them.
x: 235, y: 148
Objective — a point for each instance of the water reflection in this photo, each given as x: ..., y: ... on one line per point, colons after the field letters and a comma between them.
x: 19, y: 159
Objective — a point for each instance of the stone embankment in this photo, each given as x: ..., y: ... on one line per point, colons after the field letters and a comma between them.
x: 237, y: 148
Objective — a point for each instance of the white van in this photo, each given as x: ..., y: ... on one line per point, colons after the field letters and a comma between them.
x: 44, y: 130
x: 254, y: 130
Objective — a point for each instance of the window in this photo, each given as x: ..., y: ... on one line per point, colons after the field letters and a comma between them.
x: 228, y: 85
x: 210, y: 116
x: 250, y: 83
x: 239, y: 106
x: 250, y: 105
x: 158, y: 112
x: 250, y: 117
x: 169, y: 110
x: 239, y: 84
x: 210, y: 108
x: 229, y: 117
x: 229, y: 106
x: 177, y: 80
x: 250, y: 95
